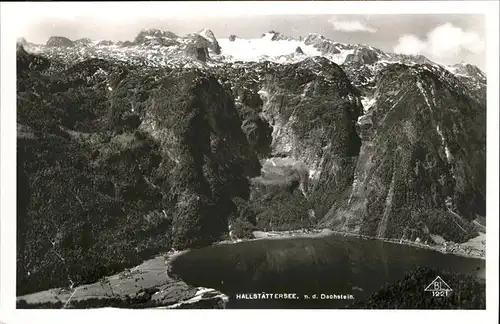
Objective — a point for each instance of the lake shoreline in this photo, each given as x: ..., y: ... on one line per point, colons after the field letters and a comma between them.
x: 449, y: 248
x: 149, y: 285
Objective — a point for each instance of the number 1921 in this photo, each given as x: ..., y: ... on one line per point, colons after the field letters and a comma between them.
x: 441, y: 293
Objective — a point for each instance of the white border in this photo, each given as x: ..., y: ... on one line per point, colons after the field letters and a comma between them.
x: 13, y: 13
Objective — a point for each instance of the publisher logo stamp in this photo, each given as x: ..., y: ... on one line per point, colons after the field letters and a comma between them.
x: 439, y: 288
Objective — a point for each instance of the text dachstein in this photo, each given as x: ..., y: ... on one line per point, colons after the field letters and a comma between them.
x: 264, y: 296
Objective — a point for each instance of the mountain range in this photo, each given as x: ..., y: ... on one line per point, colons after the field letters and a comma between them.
x: 129, y: 148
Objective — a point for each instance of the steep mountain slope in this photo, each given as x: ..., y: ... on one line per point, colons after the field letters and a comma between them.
x: 129, y: 148
x: 313, y: 110
x: 423, y: 163
x: 119, y: 163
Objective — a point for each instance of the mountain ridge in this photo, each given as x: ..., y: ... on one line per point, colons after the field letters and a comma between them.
x: 319, y: 41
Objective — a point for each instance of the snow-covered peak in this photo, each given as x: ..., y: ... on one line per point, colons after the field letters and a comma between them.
x: 264, y: 48
x: 467, y: 70
x: 211, y: 42
x: 275, y: 47
x: 207, y: 33
x: 155, y: 47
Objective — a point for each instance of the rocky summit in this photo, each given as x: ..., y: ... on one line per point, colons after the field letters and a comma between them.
x: 130, y: 149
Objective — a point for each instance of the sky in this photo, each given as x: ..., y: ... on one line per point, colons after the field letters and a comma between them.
x: 443, y: 38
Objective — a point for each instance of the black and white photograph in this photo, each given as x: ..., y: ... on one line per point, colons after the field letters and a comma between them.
x: 281, y: 161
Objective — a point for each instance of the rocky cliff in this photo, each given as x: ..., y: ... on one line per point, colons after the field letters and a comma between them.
x: 303, y: 118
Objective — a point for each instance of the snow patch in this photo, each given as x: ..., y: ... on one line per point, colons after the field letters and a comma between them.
x: 448, y: 154
x: 339, y: 58
x: 255, y: 50
x: 440, y: 133
x: 314, y: 174
x: 306, y: 89
x: 367, y: 103
x: 206, y: 33
x: 199, y: 296
x: 263, y: 94
x: 268, y: 36
x: 443, y: 142
x: 388, y: 207
x: 354, y: 187
x: 422, y: 91
x: 287, y: 147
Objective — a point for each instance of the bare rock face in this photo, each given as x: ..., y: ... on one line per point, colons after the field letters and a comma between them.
x: 473, y: 78
x: 199, y: 53
x: 363, y: 56
x: 155, y: 37
x: 197, y: 47
x: 276, y: 36
x: 298, y: 50
x: 469, y: 70
x: 105, y: 43
x: 213, y: 43
x: 286, y: 91
x: 322, y: 44
x: 312, y: 109
x: 313, y: 115
x: 125, y: 44
x: 59, y: 41
x: 153, y: 33
x: 85, y: 41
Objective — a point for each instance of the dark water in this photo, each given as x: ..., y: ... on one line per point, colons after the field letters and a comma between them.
x: 306, y: 266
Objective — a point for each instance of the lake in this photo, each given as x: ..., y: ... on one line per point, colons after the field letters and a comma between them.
x: 333, y: 266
